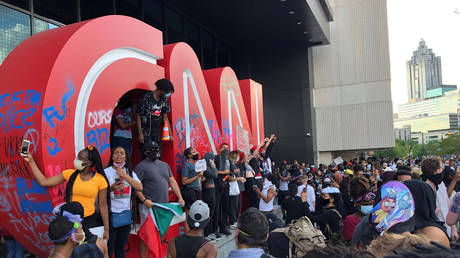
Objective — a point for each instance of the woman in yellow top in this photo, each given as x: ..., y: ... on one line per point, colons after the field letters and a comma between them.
x: 84, y: 184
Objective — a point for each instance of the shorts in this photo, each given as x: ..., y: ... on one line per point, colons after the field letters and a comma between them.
x: 190, y: 196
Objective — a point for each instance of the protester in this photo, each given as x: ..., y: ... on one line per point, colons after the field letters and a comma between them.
x: 192, y: 244
x: 328, y: 217
x: 363, y: 199
x: 267, y: 195
x: 296, y: 206
x: 285, y: 177
x: 223, y: 169
x: 66, y: 231
x: 311, y: 197
x: 122, y: 135
x: 85, y: 184
x: 234, y: 200
x: 155, y: 176
x: 191, y: 179
x: 152, y: 112
x: 122, y: 181
x: 391, y: 243
x: 209, y: 196
x: 404, y: 173
x: 251, y: 234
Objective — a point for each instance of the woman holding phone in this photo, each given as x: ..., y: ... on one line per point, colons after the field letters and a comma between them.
x: 86, y: 183
x: 122, y: 181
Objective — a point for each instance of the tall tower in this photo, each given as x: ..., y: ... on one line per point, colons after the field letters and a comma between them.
x: 423, y: 72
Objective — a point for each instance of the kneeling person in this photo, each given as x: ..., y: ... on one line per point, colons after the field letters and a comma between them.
x: 192, y: 243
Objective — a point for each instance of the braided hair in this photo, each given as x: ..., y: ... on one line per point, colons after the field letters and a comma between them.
x: 95, y: 158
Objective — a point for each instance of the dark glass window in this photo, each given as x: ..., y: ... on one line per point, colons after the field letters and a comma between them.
x: 222, y: 54
x: 91, y: 9
x: 41, y: 25
x: 24, y: 4
x: 209, y: 55
x: 175, y: 25
x: 128, y: 8
x: 192, y: 32
x: 62, y: 11
x: 14, y: 28
x: 153, y: 13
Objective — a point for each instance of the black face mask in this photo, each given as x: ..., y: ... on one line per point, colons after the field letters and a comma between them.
x: 436, y: 179
x: 323, y: 202
x: 195, y: 157
x: 152, y: 155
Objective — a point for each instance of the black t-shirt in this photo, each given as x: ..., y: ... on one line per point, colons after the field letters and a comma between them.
x: 151, y: 112
x: 327, y: 216
x: 295, y: 208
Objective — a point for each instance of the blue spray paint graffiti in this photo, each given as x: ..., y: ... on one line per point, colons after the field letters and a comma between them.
x: 215, y: 133
x: 99, y: 137
x: 55, y: 149
x: 179, y: 128
x: 52, y: 112
x: 30, y: 204
x: 14, y: 117
x: 226, y: 128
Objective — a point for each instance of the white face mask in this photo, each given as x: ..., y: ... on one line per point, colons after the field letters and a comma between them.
x: 78, y: 164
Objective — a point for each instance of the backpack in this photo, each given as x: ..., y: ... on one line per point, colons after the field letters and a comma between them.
x: 332, y: 237
x: 304, y: 236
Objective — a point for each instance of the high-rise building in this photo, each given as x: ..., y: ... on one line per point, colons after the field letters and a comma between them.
x: 423, y: 72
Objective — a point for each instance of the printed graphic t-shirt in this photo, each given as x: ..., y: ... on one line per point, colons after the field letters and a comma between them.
x: 120, y: 199
x: 85, y: 192
x: 120, y: 132
x: 151, y: 113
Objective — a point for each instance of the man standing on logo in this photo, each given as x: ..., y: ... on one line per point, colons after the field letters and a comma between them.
x: 152, y: 112
x: 155, y: 176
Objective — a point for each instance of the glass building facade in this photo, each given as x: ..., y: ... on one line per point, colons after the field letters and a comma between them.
x: 23, y: 18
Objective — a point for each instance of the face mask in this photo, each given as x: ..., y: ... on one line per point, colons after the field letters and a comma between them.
x: 167, y: 95
x: 152, y: 155
x: 127, y: 110
x: 436, y: 179
x: 195, y: 157
x: 78, y: 164
x: 366, y: 209
x: 81, y: 240
x: 119, y: 165
x: 323, y: 201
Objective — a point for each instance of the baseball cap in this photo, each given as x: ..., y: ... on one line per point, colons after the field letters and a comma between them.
x: 198, y: 215
x: 349, y: 171
x: 404, y: 170
x: 151, y: 145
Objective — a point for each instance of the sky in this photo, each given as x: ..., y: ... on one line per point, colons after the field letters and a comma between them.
x: 437, y: 23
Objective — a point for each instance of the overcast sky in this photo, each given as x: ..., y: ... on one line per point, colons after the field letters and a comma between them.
x: 437, y: 23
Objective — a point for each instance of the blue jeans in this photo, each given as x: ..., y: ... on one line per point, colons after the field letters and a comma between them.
x: 123, y: 142
x: 14, y: 249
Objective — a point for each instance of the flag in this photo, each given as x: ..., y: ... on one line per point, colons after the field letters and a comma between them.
x: 156, y: 225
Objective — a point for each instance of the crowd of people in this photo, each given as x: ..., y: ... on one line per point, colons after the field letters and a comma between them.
x: 358, y: 208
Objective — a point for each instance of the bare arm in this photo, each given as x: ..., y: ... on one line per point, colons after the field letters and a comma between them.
x: 136, y: 185
x: 185, y: 180
x: 41, y: 179
x: 104, y: 211
x: 121, y: 123
x: 270, y: 195
x: 139, y: 128
x: 172, y: 248
x: 211, y: 250
x: 451, y: 218
x: 223, y: 172
x: 176, y: 190
x: 453, y: 183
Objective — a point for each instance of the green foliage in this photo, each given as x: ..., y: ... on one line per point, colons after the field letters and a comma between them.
x: 412, y: 149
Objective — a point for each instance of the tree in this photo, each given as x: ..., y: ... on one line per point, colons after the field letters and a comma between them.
x: 433, y: 148
x: 450, y: 145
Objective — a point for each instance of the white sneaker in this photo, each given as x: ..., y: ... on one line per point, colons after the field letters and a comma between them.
x: 211, y: 238
x: 233, y: 226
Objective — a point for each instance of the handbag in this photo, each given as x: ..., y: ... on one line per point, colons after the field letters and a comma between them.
x: 121, y: 219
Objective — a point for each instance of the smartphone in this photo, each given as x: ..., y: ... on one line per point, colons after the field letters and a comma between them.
x: 25, y: 147
x: 117, y: 180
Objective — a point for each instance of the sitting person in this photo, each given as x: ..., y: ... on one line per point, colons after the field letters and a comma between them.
x: 251, y: 234
x: 294, y: 205
x: 67, y: 233
x: 329, y: 217
x: 391, y: 243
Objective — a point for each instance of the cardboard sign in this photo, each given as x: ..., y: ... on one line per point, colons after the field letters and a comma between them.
x: 338, y: 160
x: 242, y: 139
x: 200, y: 165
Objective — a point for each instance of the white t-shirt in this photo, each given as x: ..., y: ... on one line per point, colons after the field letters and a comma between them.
x: 442, y: 202
x: 121, y: 199
x: 310, y: 195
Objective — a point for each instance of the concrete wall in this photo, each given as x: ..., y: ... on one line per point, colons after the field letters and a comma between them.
x: 351, y: 80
